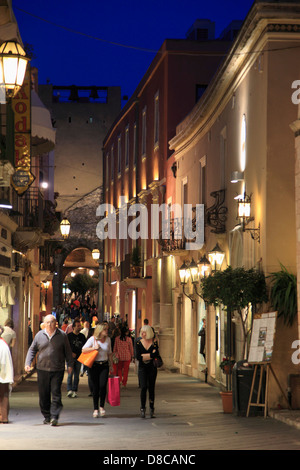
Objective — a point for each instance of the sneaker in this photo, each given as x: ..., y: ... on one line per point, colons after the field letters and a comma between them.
x: 53, y: 422
x: 74, y: 395
x: 46, y: 421
x: 69, y: 394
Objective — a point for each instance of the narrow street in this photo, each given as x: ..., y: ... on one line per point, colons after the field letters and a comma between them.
x: 189, y: 417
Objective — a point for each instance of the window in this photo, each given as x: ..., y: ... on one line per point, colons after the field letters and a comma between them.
x: 223, y: 152
x: 119, y: 154
x: 156, y: 119
x: 127, y: 146
x: 202, y: 178
x: 112, y: 163
x: 134, y: 145
x: 144, y: 129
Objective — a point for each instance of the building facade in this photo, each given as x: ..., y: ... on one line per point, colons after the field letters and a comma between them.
x: 242, y: 124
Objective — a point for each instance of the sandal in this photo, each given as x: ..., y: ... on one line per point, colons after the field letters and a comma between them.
x: 96, y: 414
x: 102, y: 412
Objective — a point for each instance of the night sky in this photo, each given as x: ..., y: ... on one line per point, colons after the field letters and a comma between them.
x: 83, y: 42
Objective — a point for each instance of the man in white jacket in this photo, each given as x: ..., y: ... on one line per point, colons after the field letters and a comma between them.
x: 6, y: 378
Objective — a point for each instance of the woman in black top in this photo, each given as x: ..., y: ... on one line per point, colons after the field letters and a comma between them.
x: 146, y: 351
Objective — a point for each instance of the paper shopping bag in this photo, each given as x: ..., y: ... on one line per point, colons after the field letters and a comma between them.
x: 113, y: 391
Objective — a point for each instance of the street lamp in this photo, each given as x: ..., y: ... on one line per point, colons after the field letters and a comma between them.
x: 65, y: 228
x: 13, y: 63
x: 96, y: 254
x: 216, y: 257
x: 96, y: 257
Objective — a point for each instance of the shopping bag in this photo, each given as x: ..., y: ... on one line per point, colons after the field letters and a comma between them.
x: 113, y: 391
x: 88, y: 358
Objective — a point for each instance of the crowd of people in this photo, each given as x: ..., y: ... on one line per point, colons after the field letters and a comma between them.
x: 63, y: 336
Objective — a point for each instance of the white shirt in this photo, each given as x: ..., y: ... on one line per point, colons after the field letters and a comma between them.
x: 104, y: 348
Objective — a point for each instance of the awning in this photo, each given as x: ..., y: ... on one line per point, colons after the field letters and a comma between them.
x: 42, y: 131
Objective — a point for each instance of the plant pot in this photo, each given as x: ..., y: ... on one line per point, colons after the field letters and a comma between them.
x: 227, y: 369
x: 227, y: 401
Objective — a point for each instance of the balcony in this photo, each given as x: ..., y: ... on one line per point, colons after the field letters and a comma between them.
x: 35, y: 218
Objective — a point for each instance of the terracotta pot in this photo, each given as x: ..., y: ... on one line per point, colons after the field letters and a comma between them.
x: 227, y: 401
x: 227, y: 369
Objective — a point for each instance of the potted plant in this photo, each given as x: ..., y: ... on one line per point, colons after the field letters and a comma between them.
x: 227, y: 365
x: 136, y: 262
x: 234, y: 290
x: 283, y: 294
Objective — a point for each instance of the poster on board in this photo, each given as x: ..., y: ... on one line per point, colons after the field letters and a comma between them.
x: 262, y: 338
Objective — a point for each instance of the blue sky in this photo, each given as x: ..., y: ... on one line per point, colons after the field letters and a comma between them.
x: 110, y: 43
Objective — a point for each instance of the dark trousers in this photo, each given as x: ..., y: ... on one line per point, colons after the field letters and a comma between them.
x: 4, y: 402
x: 147, y: 378
x: 99, y: 377
x: 49, y: 384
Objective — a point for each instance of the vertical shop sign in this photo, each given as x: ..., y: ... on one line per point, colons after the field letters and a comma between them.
x: 21, y: 105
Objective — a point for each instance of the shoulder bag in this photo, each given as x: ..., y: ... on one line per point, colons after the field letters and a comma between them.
x: 88, y: 358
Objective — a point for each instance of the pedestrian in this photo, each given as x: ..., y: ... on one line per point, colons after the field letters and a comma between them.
x: 100, y: 370
x: 65, y: 324
x: 202, y: 338
x: 111, y: 326
x: 76, y: 340
x: 146, y: 351
x: 123, y: 348
x: 6, y: 378
x: 9, y: 335
x: 53, y: 350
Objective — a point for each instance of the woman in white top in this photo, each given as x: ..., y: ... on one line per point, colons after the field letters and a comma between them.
x: 6, y: 378
x: 100, y: 370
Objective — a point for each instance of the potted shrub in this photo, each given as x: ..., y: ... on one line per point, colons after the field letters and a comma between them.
x: 227, y: 365
x: 234, y: 290
x: 136, y: 262
x: 283, y: 294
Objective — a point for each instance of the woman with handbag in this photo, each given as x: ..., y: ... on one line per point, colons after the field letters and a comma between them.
x: 146, y: 352
x: 123, y: 348
x: 99, y: 371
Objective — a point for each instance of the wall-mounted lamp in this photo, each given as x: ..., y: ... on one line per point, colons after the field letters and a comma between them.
x: 65, y: 228
x: 216, y: 258
x: 204, y: 266
x: 46, y: 285
x: 13, y: 63
x: 244, y: 215
x: 184, y: 274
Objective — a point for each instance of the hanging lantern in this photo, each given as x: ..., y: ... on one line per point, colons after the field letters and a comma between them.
x: 65, y: 227
x: 13, y: 63
x: 96, y: 254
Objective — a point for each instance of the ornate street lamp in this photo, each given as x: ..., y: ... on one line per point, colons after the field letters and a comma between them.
x: 204, y: 266
x: 65, y: 228
x: 216, y: 257
x: 13, y: 63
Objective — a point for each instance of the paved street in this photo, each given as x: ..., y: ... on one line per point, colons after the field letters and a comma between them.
x: 189, y: 416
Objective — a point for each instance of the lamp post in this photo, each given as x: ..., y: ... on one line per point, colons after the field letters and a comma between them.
x: 96, y: 257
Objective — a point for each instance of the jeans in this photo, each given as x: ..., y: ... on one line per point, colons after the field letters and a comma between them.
x: 49, y: 385
x: 73, y: 378
x: 147, y: 378
x: 99, y: 377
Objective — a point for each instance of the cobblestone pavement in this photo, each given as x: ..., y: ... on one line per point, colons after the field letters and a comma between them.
x: 189, y: 416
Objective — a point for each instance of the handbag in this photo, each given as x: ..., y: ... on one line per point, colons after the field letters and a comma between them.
x: 158, y: 362
x: 113, y: 391
x: 88, y: 358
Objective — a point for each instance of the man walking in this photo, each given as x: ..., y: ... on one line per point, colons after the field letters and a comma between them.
x: 54, y: 350
x: 76, y: 340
